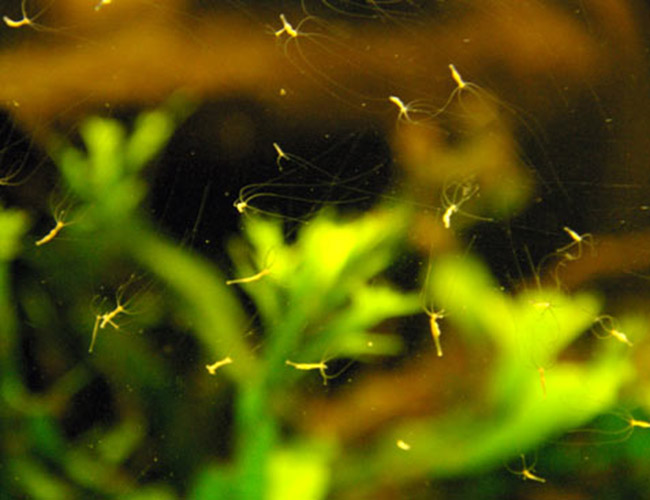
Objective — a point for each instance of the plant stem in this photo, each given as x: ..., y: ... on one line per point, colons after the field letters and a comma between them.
x: 256, y: 432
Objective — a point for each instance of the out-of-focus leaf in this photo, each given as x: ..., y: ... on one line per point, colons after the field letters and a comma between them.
x: 13, y: 224
x: 46, y: 436
x: 151, y: 132
x: 214, y: 482
x: 36, y: 481
x: 301, y: 472
x: 104, y: 140
x: 120, y: 441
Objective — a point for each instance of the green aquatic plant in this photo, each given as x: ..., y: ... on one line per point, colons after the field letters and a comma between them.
x: 318, y: 300
x: 529, y: 394
x: 321, y: 298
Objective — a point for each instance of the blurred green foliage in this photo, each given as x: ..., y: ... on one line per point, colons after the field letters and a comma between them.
x: 165, y: 428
